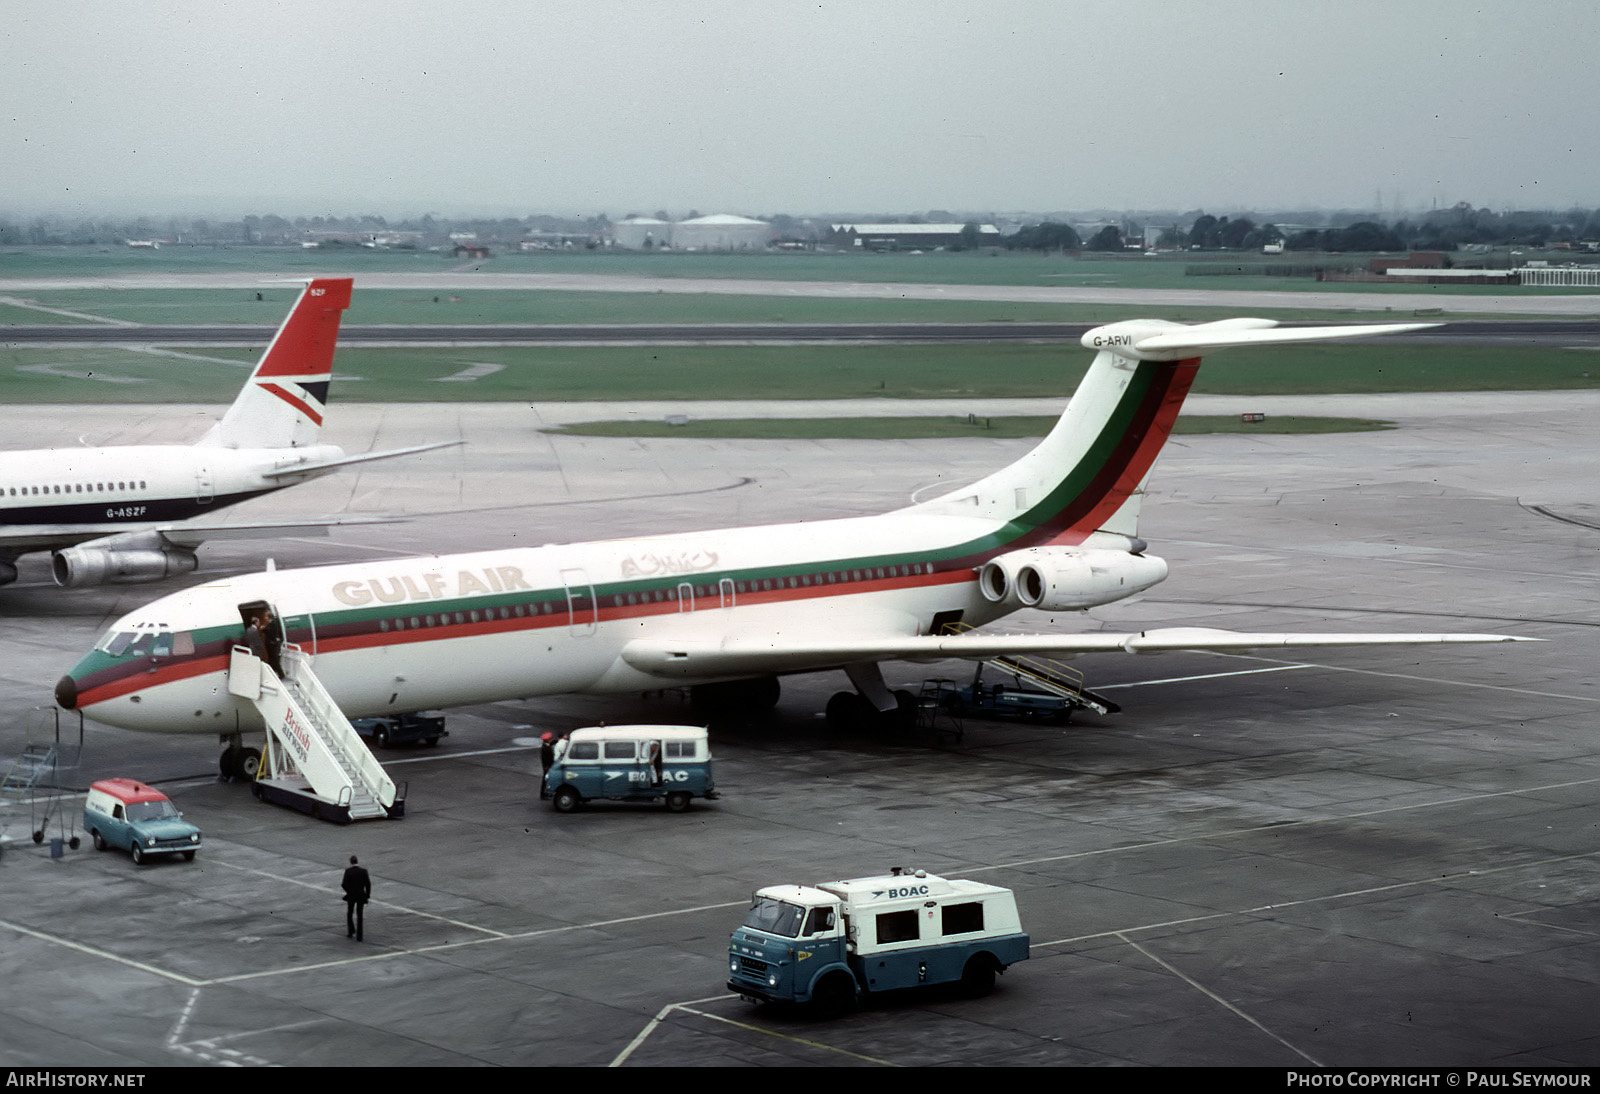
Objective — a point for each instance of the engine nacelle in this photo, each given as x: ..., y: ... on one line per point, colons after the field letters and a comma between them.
x: 1061, y: 579
x: 75, y: 567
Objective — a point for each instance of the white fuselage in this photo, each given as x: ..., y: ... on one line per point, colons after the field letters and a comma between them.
x: 61, y: 496
x: 414, y: 633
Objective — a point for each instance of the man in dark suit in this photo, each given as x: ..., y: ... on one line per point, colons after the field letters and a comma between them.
x: 357, y: 891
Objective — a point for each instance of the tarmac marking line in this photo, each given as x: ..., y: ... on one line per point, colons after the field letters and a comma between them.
x: 1206, y: 676
x: 689, y: 1008
x: 93, y: 951
x: 1323, y: 898
x: 1204, y: 837
x: 1220, y: 1001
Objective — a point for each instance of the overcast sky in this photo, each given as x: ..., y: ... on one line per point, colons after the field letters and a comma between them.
x: 764, y: 106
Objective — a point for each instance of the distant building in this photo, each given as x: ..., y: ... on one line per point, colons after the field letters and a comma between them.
x: 717, y: 232
x: 641, y: 233
x: 721, y: 232
x: 905, y: 237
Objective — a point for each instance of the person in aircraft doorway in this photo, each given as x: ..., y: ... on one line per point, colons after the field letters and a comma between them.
x: 255, y: 635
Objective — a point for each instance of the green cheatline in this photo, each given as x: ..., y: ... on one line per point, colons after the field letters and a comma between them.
x: 896, y: 429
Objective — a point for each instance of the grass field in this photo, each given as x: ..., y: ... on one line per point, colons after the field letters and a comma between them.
x: 880, y: 429
x: 942, y: 267
x: 587, y: 373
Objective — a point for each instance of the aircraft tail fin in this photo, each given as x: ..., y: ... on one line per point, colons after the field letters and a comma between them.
x: 282, y: 404
x: 1088, y: 474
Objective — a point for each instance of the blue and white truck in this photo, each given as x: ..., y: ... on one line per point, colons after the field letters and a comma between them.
x: 831, y: 944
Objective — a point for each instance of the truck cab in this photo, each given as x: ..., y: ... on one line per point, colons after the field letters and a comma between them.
x: 138, y: 818
x: 831, y: 944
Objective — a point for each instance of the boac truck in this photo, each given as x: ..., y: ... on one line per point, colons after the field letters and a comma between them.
x: 831, y: 944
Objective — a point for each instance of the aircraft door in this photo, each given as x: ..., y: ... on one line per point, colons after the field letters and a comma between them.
x: 270, y: 639
x: 685, y: 597
x: 725, y: 591
x: 582, y: 607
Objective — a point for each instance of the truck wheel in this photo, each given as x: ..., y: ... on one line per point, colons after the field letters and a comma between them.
x: 188, y: 856
x: 99, y: 840
x: 566, y: 800
x: 138, y: 855
x: 977, y: 979
x: 677, y: 801
x: 835, y: 996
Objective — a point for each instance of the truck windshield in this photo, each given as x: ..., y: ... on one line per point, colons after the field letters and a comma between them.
x: 775, y: 917
x: 140, y: 811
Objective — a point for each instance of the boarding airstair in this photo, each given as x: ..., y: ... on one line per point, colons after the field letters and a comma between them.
x: 1047, y: 674
x: 33, y: 778
x: 314, y: 760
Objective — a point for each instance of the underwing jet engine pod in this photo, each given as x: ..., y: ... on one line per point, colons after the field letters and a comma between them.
x: 1054, y: 579
x: 1057, y: 529
x: 129, y: 513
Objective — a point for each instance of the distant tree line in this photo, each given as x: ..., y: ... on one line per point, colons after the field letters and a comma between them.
x: 1439, y: 230
x: 1449, y: 229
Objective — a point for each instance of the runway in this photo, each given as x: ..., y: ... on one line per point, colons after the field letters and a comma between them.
x: 1361, y: 857
x: 1529, y: 303
x: 1555, y: 332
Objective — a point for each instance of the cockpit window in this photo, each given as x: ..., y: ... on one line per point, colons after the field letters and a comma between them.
x: 151, y: 643
x: 117, y: 642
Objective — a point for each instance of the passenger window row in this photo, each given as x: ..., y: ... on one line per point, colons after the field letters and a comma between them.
x: 72, y: 488
x: 772, y: 584
x: 663, y: 595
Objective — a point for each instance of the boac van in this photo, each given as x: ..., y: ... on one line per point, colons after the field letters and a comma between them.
x: 832, y: 943
x: 670, y: 764
x: 139, y: 819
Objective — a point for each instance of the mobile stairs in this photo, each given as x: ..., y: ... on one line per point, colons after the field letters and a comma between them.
x: 1045, y: 688
x: 34, y: 779
x: 314, y: 760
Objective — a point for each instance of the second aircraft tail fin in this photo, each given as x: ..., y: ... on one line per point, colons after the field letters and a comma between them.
x: 283, y: 402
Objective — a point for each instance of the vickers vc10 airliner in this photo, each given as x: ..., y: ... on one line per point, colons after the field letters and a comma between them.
x: 726, y: 612
x: 125, y: 514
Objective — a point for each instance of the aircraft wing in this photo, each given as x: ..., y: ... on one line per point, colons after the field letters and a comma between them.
x: 752, y: 654
x: 365, y: 457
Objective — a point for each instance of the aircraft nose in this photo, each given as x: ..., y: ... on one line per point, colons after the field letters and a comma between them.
x: 67, y: 693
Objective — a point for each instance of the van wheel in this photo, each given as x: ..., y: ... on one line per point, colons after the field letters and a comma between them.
x: 677, y: 801
x: 99, y: 840
x: 382, y: 737
x: 566, y: 800
x: 977, y: 979
x: 138, y: 855
x: 835, y: 996
x: 188, y: 856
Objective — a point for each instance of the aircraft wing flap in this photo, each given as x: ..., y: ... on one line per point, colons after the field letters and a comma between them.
x: 773, y: 653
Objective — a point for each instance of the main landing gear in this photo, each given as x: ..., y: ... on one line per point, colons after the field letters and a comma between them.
x: 872, y: 707
x: 237, y: 762
x: 735, y: 698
